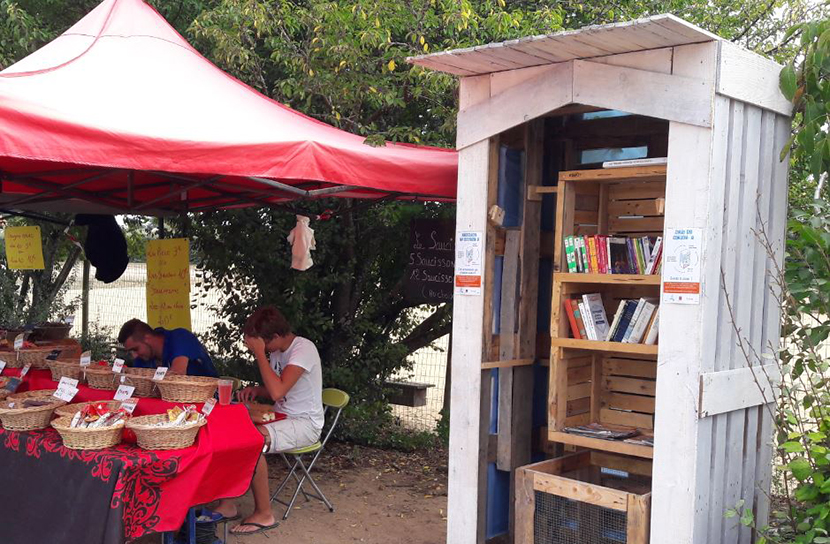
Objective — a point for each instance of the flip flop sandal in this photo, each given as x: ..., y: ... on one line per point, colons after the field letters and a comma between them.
x: 224, y: 519
x: 261, y: 528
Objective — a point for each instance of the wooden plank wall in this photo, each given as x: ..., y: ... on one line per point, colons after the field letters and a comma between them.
x: 754, y: 198
x: 729, y: 182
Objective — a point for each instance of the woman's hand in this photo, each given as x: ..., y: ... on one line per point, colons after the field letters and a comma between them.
x: 255, y: 344
x: 248, y: 394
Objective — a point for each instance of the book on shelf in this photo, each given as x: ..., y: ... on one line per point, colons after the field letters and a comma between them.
x: 588, y: 320
x: 651, y: 330
x: 569, y: 310
x: 655, y: 161
x: 635, y: 320
x: 596, y: 315
x: 598, y: 430
x: 600, y: 254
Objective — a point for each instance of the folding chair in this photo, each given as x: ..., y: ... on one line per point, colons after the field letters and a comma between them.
x: 333, y: 399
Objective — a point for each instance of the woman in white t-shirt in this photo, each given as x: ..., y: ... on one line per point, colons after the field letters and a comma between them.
x: 293, y: 378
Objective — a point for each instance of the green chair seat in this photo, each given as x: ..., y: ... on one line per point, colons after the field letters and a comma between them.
x: 307, y: 449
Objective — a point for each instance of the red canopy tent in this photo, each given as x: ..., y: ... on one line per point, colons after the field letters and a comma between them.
x: 121, y: 115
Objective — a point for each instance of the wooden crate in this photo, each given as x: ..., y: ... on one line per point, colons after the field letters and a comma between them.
x: 589, y: 497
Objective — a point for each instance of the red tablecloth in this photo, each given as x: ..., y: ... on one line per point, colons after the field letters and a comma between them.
x: 152, y: 490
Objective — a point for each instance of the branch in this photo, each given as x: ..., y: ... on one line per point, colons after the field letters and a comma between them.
x: 430, y: 329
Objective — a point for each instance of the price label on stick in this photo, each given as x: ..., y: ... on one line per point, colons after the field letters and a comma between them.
x: 129, y: 405
x: 208, y: 407
x: 68, y: 382
x: 65, y: 392
x: 118, y: 366
x: 86, y: 358
x: 124, y: 392
x: 161, y: 372
x: 18, y: 342
x: 25, y: 370
x: 2, y: 366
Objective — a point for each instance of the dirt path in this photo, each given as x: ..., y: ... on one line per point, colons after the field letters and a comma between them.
x: 379, y: 497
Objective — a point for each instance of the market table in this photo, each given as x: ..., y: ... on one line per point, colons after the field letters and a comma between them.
x: 53, y: 494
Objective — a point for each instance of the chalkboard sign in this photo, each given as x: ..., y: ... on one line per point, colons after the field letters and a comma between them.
x: 431, y: 264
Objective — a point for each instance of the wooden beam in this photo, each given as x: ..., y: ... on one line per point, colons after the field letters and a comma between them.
x: 751, y: 78
x: 510, y: 363
x: 507, y: 347
x: 580, y: 491
x: 639, y: 514
x: 525, y: 507
x: 736, y: 389
x: 672, y: 97
x: 550, y: 89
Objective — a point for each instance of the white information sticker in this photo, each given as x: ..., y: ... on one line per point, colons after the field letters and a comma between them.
x: 208, y: 407
x: 25, y: 370
x: 86, y: 358
x: 469, y: 253
x: 118, y: 366
x: 18, y: 342
x: 124, y: 392
x: 681, y: 266
x: 68, y: 382
x: 65, y: 392
x: 161, y: 372
x: 129, y: 405
x: 2, y: 366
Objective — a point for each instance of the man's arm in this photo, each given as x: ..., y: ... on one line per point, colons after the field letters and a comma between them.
x: 275, y: 386
x: 179, y: 365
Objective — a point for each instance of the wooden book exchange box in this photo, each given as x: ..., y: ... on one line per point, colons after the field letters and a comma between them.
x: 539, y: 120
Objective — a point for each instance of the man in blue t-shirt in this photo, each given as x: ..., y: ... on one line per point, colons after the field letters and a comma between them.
x: 177, y: 349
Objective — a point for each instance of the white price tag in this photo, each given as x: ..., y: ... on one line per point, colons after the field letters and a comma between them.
x: 18, y: 342
x: 208, y: 407
x: 124, y: 392
x: 86, y: 358
x: 129, y: 405
x: 118, y: 365
x: 2, y: 366
x: 161, y: 372
x: 65, y: 392
x: 68, y: 381
x: 25, y: 370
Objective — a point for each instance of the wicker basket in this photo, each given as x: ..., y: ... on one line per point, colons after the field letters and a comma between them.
x: 150, y: 437
x: 36, y: 393
x: 187, y: 388
x: 142, y: 380
x: 101, y: 377
x: 70, y: 409
x: 66, y: 368
x: 4, y: 393
x: 32, y: 356
x: 87, y: 439
x: 27, y: 419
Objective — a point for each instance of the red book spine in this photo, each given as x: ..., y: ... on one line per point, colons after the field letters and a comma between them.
x: 580, y: 325
x: 570, y: 311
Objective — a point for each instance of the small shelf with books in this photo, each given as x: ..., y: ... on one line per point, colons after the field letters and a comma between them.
x: 605, y: 311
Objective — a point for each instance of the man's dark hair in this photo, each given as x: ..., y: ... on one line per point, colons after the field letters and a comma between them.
x: 265, y: 323
x: 132, y: 329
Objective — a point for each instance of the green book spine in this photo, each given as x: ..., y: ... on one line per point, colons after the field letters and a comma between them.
x: 570, y: 254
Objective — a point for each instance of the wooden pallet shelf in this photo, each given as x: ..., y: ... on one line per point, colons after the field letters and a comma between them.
x: 615, y: 446
x: 609, y: 347
x: 608, y: 279
x: 608, y: 175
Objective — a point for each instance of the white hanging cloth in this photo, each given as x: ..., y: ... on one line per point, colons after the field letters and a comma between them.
x: 302, y: 242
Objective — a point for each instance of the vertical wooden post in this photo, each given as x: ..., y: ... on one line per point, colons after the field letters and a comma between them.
x: 162, y: 232
x: 525, y: 507
x: 471, y: 329
x: 85, y: 304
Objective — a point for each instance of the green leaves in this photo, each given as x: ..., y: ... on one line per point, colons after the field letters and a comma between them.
x: 788, y: 83
x: 800, y: 468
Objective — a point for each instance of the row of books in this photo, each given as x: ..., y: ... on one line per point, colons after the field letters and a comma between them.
x: 599, y: 254
x: 635, y: 321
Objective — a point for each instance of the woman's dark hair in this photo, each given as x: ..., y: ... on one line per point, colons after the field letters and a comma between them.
x: 265, y: 323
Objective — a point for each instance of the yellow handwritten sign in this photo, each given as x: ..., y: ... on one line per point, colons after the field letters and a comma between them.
x: 24, y: 248
x: 168, y: 283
